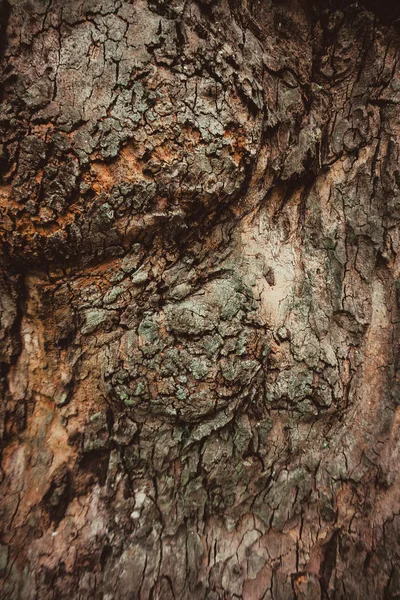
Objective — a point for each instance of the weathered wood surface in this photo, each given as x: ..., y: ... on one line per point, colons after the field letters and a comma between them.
x: 200, y: 269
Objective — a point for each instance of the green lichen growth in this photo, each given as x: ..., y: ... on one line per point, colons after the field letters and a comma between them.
x: 93, y: 319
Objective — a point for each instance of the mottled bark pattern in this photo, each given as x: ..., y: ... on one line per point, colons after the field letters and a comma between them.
x: 199, y: 295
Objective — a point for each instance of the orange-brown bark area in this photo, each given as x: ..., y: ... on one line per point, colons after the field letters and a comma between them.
x: 199, y: 300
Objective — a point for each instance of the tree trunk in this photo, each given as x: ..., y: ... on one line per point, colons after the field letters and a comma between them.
x: 200, y: 300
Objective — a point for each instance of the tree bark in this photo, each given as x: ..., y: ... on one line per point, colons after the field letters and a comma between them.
x: 200, y: 294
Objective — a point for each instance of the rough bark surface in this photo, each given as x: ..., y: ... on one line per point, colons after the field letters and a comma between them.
x: 200, y: 293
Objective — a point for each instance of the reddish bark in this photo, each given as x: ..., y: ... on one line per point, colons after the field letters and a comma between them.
x: 199, y: 294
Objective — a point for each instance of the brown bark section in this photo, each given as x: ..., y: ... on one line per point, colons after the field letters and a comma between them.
x: 199, y: 294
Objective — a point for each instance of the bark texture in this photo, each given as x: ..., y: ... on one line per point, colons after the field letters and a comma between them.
x: 200, y: 293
